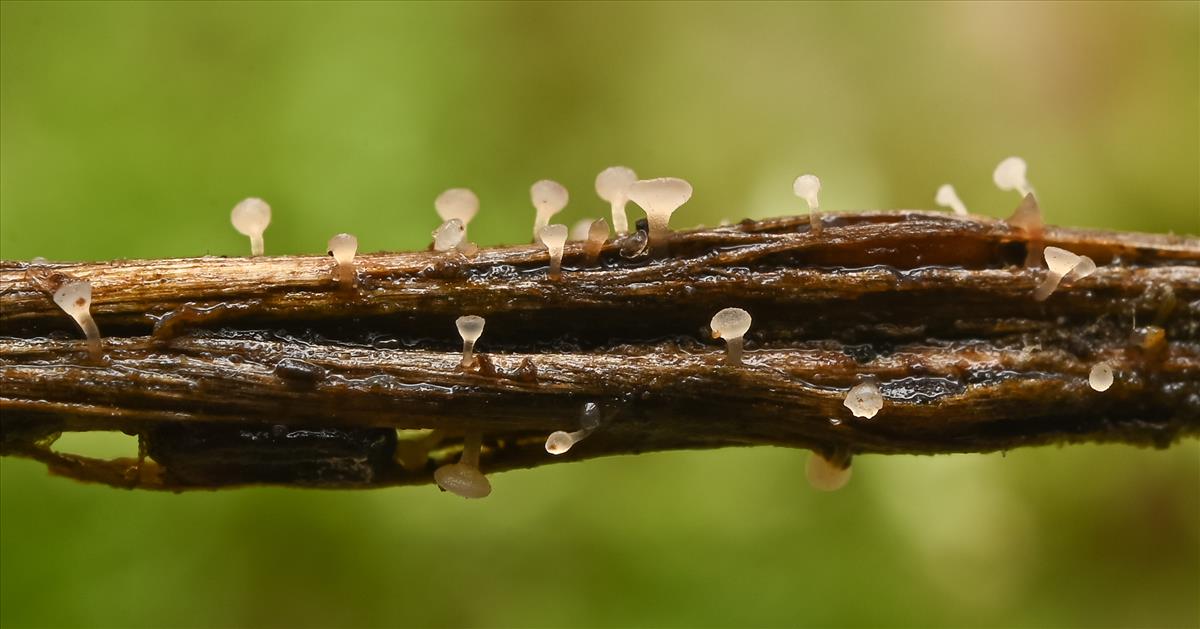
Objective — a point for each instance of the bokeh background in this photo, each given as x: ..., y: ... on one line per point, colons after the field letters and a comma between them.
x: 129, y: 130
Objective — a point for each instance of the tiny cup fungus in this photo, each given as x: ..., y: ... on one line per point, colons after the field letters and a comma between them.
x: 731, y: 324
x: 464, y: 478
x: 1010, y: 175
x: 554, y: 238
x: 597, y: 234
x: 549, y: 198
x: 612, y: 184
x: 251, y: 217
x: 1060, y: 262
x: 1101, y: 376
x: 948, y: 197
x: 75, y: 299
x: 343, y: 247
x: 458, y: 203
x: 560, y: 441
x: 659, y: 198
x: 864, y: 400
x: 449, y: 235
x: 808, y: 187
x: 826, y: 475
x: 470, y: 328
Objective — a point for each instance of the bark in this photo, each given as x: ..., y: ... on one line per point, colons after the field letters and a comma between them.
x: 251, y: 370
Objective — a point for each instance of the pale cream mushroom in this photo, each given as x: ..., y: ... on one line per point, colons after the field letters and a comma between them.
x: 731, y: 324
x: 659, y: 198
x: 75, y: 299
x: 343, y: 247
x: 464, y: 478
x: 1085, y: 267
x: 1060, y: 262
x: 554, y: 238
x: 864, y: 400
x: 808, y: 187
x: 1010, y: 174
x: 549, y: 198
x: 612, y: 185
x: 597, y: 235
x: 826, y: 475
x: 560, y: 441
x: 947, y: 196
x: 251, y: 218
x: 460, y: 203
x: 1101, y: 376
x: 470, y: 328
x: 449, y: 235
x: 579, y: 230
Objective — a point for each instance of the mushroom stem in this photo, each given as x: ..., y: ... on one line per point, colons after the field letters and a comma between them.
x: 596, y: 236
x: 256, y: 245
x: 619, y: 218
x: 733, y: 351
x: 472, y: 444
x: 92, y: 332
x: 468, y: 358
x: 826, y: 474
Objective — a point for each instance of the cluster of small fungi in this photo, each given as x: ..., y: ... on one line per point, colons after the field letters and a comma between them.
x: 660, y: 198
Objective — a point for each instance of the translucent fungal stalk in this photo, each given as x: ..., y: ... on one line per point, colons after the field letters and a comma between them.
x: 560, y: 441
x: 826, y: 475
x: 343, y: 247
x: 948, y: 197
x: 554, y: 238
x: 470, y: 328
x: 549, y: 198
x: 460, y: 203
x: 864, y: 400
x: 75, y: 299
x: 1010, y: 175
x: 449, y: 235
x: 597, y: 234
x: 660, y: 198
x: 1060, y: 262
x: 1101, y: 376
x: 464, y: 478
x: 731, y: 324
x: 251, y: 218
x: 612, y: 185
x: 808, y: 187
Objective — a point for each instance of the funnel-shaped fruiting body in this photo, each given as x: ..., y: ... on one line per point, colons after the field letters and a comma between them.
x: 470, y: 328
x: 343, y: 247
x: 731, y: 324
x: 464, y: 478
x: 1060, y: 262
x: 597, y: 234
x: 251, y: 218
x: 1010, y: 174
x: 808, y: 187
x: 612, y: 185
x: 560, y: 441
x: 1085, y: 267
x: 1101, y: 376
x: 449, y: 235
x: 659, y: 198
x: 826, y: 475
x: 864, y: 400
x: 947, y: 196
x: 460, y: 203
x: 75, y: 299
x: 554, y: 238
x: 549, y: 198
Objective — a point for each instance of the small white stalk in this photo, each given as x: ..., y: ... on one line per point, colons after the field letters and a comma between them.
x: 554, y: 238
x: 470, y: 328
x: 612, y: 185
x: 75, y: 299
x: 1010, y: 174
x: 251, y: 218
x: 947, y: 196
x: 560, y: 441
x: 549, y: 198
x: 808, y: 187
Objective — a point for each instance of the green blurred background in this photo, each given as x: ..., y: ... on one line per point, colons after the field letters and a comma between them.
x: 129, y: 130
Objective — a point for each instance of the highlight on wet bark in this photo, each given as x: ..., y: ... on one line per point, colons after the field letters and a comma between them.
x: 75, y: 299
x: 251, y: 218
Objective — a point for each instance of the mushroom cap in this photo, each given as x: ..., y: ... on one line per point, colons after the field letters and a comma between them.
x: 559, y: 442
x: 251, y: 216
x: 1059, y: 260
x: 1101, y: 377
x: 549, y: 197
x: 598, y: 230
x: 74, y: 297
x: 864, y: 400
x: 343, y: 247
x: 462, y: 480
x: 612, y: 184
x: 460, y: 203
x: 730, y: 323
x: 825, y: 475
x: 808, y: 187
x: 660, y: 196
x: 448, y: 235
x: 553, y: 236
x: 1010, y: 174
x: 1085, y: 267
x: 946, y: 196
x: 470, y: 327
x: 579, y: 231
